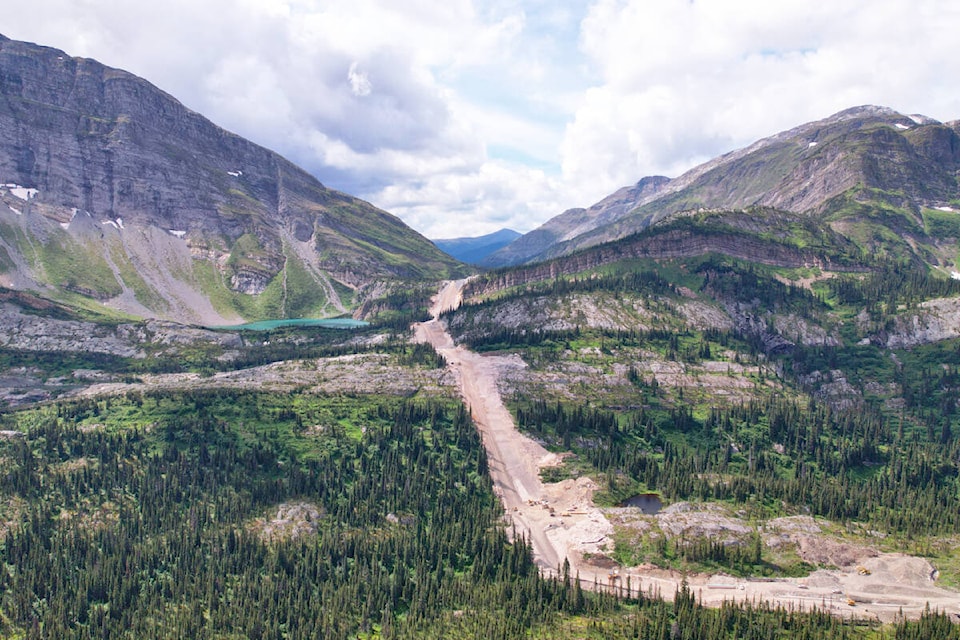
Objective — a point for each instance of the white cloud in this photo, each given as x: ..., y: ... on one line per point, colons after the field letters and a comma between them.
x: 483, y: 200
x: 461, y: 115
x: 685, y: 81
x: 359, y: 82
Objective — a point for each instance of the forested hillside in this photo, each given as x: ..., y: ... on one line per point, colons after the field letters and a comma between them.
x: 221, y: 515
x: 753, y: 391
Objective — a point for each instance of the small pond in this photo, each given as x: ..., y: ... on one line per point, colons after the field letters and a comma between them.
x: 648, y: 503
x: 329, y: 323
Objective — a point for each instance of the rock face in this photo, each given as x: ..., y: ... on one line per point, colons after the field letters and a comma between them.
x: 29, y: 333
x: 24, y: 331
x: 164, y: 214
x: 859, y: 163
x: 933, y: 321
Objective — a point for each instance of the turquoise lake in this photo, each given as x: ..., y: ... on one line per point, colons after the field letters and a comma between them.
x: 329, y: 323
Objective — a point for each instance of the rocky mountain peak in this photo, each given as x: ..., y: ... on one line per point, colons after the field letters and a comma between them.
x: 859, y: 155
x: 166, y: 213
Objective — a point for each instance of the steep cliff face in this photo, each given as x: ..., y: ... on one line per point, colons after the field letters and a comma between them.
x: 176, y: 216
x: 845, y: 167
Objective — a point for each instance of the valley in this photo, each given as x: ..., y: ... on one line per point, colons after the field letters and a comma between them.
x: 551, y: 499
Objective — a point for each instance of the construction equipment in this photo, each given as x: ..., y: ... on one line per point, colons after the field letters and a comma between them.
x: 863, y: 571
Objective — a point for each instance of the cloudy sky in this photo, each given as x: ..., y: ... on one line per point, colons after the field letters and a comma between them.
x: 466, y: 116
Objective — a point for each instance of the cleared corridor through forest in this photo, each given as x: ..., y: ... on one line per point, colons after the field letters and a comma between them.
x: 515, y: 460
x: 512, y: 457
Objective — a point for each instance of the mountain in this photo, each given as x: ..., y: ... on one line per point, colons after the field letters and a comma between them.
x: 573, y: 222
x: 115, y: 194
x: 474, y: 250
x: 880, y: 177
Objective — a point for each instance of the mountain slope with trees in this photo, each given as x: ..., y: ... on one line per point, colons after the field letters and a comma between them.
x: 749, y: 363
x: 768, y: 347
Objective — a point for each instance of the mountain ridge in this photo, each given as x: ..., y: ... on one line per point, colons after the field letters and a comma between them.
x: 473, y: 250
x: 167, y: 214
x: 572, y: 222
x: 804, y: 169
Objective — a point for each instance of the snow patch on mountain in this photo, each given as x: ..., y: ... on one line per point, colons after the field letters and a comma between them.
x: 24, y: 193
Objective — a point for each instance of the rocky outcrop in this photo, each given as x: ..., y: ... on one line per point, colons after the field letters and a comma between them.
x: 540, y: 313
x: 28, y: 332
x: 933, y: 321
x: 292, y: 520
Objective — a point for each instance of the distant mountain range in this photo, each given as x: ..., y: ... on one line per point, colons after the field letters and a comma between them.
x: 474, y: 250
x: 882, y: 179
x: 116, y: 195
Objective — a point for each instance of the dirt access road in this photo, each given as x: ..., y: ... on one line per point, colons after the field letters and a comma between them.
x: 562, y: 523
x: 513, y: 459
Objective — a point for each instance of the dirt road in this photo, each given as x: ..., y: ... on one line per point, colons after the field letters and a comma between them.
x: 513, y: 459
x: 562, y: 523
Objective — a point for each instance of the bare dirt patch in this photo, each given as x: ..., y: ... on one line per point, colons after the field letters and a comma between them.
x: 820, y: 550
